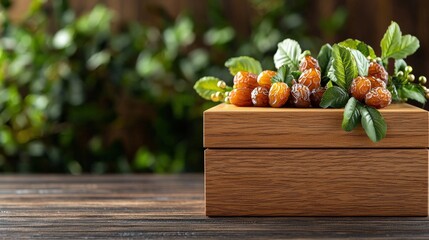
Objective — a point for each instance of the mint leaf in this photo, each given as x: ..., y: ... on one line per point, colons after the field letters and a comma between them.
x: 283, y: 75
x: 324, y: 58
x: 343, y: 69
x: 393, y: 90
x: 413, y: 91
x: 362, y: 47
x: 361, y: 62
x: 243, y: 63
x: 335, y: 97
x: 373, y: 123
x: 288, y: 52
x: 400, y: 65
x: 351, y: 116
x: 409, y: 45
x: 206, y: 86
x: 366, y: 50
x: 296, y: 74
x: 394, y: 45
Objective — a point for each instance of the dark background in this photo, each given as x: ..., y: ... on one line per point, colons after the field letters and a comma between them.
x: 106, y: 86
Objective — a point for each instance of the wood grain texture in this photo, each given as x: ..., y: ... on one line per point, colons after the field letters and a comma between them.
x: 160, y: 207
x: 228, y: 126
x: 315, y: 182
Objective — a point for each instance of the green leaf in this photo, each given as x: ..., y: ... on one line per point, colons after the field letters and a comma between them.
x: 324, y: 58
x: 362, y: 47
x: 296, y: 74
x: 288, y: 52
x: 400, y: 65
x: 343, y: 69
x: 413, y: 91
x: 394, y: 45
x: 373, y: 123
x: 243, y: 63
x: 283, y: 75
x: 366, y: 50
x: 351, y: 116
x: 393, y: 90
x: 335, y: 97
x: 206, y: 86
x: 361, y: 62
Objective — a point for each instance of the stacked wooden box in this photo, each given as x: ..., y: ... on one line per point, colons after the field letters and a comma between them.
x: 299, y: 162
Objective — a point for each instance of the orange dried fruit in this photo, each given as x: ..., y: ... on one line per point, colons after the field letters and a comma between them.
x: 260, y: 97
x: 375, y: 82
x: 245, y: 80
x: 378, y: 71
x: 310, y: 78
x: 316, y: 96
x: 264, y: 78
x: 279, y: 94
x: 241, y: 97
x: 360, y: 87
x: 378, y: 97
x: 308, y: 62
x: 300, y: 96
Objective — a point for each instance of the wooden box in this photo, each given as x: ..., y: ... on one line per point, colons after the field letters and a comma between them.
x: 299, y: 162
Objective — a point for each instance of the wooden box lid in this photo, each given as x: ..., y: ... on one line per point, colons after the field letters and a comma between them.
x: 228, y: 126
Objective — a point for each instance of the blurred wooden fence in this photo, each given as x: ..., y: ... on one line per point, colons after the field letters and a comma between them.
x: 367, y: 19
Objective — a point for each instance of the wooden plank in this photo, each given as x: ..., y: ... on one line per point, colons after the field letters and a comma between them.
x: 228, y: 126
x: 316, y: 182
x: 160, y: 207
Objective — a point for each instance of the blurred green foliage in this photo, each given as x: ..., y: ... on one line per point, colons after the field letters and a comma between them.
x: 76, y: 96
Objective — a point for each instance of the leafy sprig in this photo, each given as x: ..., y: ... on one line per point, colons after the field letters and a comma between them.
x: 339, y: 64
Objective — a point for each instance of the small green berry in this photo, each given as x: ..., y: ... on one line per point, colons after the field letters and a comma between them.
x: 227, y: 100
x: 369, y: 58
x: 422, y: 79
x: 214, y: 97
x: 378, y: 59
x: 427, y: 95
x: 408, y: 69
x: 221, y: 84
x: 411, y: 78
x: 400, y: 74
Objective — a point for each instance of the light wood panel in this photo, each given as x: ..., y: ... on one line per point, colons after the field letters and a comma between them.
x: 314, y: 182
x: 228, y: 126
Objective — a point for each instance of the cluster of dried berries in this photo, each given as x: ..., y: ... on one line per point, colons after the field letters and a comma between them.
x: 258, y: 90
x: 372, y: 89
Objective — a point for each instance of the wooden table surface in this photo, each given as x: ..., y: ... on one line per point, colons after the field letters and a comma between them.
x: 160, y: 207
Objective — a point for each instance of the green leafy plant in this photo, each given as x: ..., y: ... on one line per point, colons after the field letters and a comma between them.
x: 340, y: 65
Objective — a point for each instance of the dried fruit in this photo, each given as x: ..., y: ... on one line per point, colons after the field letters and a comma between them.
x: 264, y: 78
x: 375, y: 82
x: 245, y: 80
x: 360, y: 87
x: 378, y: 97
x: 310, y: 78
x: 241, y: 97
x: 260, y: 97
x: 300, y: 96
x: 308, y: 62
x: 316, y: 96
x: 279, y: 94
x: 378, y: 71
